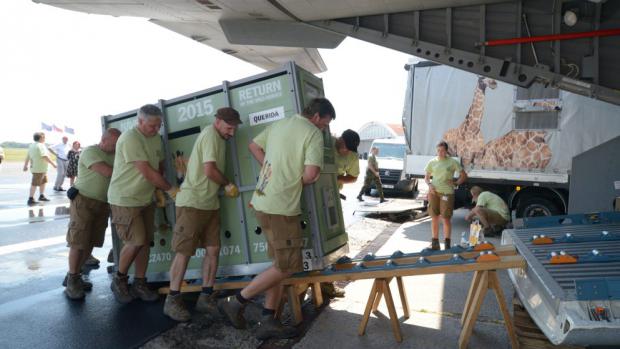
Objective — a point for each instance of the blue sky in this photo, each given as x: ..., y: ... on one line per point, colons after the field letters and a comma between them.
x: 71, y: 68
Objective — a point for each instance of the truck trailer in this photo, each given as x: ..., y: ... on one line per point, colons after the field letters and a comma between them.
x: 519, y: 143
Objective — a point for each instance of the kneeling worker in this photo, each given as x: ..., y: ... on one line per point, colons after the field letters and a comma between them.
x: 490, y: 209
x: 89, y: 210
x: 198, y: 216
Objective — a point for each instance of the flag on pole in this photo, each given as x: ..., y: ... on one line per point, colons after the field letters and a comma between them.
x: 46, y: 127
x: 69, y: 130
x: 57, y: 129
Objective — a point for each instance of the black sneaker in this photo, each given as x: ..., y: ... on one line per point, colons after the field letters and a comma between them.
x: 446, y: 244
x: 60, y: 189
x: 382, y: 201
x: 31, y: 202
x: 434, y: 245
x: 43, y: 198
x: 359, y: 198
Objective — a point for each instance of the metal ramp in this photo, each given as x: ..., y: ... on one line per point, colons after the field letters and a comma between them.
x: 467, y: 37
x: 571, y: 288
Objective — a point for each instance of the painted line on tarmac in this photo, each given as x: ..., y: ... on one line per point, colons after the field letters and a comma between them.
x: 29, y: 245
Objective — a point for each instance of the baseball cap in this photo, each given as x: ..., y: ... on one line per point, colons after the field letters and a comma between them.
x: 229, y: 115
x: 351, y: 140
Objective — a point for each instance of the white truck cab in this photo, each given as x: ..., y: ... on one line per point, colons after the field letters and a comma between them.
x: 391, y: 159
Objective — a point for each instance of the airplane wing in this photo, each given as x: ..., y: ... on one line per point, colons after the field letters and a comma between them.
x: 266, y: 33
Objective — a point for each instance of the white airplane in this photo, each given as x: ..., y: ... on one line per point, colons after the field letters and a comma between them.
x: 267, y: 33
x: 570, y: 44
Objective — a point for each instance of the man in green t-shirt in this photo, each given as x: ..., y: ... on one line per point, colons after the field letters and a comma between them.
x: 138, y: 169
x: 441, y: 192
x: 198, y: 214
x: 89, y: 210
x: 347, y: 170
x: 490, y: 208
x: 290, y: 152
x: 372, y: 176
x: 38, y: 158
x: 347, y: 161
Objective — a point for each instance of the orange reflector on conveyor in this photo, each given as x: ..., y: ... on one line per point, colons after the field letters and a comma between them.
x: 562, y: 258
x: 484, y: 246
x: 487, y: 256
x: 541, y: 240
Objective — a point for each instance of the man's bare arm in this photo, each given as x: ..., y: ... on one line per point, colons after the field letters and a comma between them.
x: 102, y: 168
x: 311, y: 174
x: 152, y: 175
x: 214, y: 174
x: 347, y: 179
x: 49, y: 161
x: 258, y: 152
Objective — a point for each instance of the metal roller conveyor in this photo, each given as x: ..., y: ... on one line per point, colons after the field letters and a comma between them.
x: 571, y: 285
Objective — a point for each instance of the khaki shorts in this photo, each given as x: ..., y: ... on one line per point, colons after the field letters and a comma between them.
x: 195, y: 228
x: 493, y: 217
x: 38, y: 179
x: 134, y: 225
x: 87, y: 223
x: 440, y: 204
x: 284, y: 240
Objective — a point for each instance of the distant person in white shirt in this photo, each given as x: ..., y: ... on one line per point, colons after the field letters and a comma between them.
x: 60, y: 150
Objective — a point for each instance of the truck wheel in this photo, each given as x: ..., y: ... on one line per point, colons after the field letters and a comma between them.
x: 537, y: 207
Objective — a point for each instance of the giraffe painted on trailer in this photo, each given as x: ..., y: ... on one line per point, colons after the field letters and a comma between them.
x: 517, y: 149
x: 466, y: 141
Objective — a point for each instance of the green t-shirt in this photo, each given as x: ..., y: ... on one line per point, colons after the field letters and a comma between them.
x: 346, y: 164
x: 372, y: 161
x: 197, y: 190
x: 443, y: 173
x: 36, y: 152
x: 289, y: 145
x: 493, y: 202
x: 93, y: 184
x: 128, y: 187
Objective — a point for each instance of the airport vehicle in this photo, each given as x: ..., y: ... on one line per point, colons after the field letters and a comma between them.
x: 519, y: 143
x: 391, y: 158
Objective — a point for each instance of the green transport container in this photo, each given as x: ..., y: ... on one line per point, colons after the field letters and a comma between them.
x: 260, y: 100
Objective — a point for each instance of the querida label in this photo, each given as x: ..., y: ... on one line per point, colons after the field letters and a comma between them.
x: 265, y: 116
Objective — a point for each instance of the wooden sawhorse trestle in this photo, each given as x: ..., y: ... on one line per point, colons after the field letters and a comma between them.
x: 482, y: 281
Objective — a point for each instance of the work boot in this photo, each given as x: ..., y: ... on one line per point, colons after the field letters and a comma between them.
x: 232, y: 309
x: 207, y: 303
x: 75, y: 288
x: 175, y: 308
x: 488, y: 231
x: 435, y: 245
x: 121, y: 289
x: 330, y: 290
x: 268, y: 327
x: 43, y: 198
x: 359, y: 198
x: 140, y: 289
x: 31, y: 201
x: 446, y: 244
x: 87, y: 285
x: 91, y: 261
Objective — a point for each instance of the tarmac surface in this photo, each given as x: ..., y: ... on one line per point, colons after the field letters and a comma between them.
x: 35, y: 313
